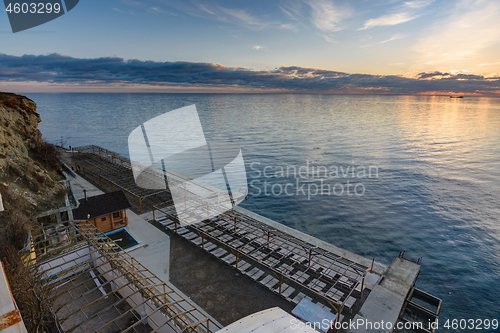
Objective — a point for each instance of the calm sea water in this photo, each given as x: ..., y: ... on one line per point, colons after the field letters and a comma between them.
x: 434, y: 187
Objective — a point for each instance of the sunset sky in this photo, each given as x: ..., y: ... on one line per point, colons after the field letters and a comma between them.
x: 331, y: 46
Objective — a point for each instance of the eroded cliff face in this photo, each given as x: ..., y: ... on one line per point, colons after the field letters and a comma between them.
x: 29, y: 169
x: 29, y: 184
x: 18, y: 127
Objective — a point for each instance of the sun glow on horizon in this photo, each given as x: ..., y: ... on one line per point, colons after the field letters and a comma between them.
x: 339, y: 46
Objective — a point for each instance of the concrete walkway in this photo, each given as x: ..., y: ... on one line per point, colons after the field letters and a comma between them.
x: 153, y: 250
x: 386, y: 300
x: 154, y: 247
x: 78, y: 184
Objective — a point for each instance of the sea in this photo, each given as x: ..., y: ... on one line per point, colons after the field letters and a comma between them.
x: 373, y: 174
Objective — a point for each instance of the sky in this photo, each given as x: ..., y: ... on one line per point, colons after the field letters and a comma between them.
x: 301, y: 46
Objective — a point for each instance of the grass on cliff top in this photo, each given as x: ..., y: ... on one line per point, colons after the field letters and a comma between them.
x: 13, y: 100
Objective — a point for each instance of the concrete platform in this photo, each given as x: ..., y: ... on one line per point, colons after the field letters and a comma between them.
x: 386, y: 300
x: 78, y: 184
x: 154, y: 247
x: 382, y: 306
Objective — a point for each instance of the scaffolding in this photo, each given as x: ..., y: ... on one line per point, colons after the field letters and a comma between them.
x: 329, y: 276
x: 96, y: 288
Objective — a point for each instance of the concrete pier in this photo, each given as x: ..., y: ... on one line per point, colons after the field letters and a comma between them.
x: 387, y: 298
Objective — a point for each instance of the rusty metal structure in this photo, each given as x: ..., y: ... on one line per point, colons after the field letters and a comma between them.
x: 110, y: 171
x: 330, y: 277
x: 97, y: 287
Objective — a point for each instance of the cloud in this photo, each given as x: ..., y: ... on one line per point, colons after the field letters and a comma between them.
x: 211, y: 10
x: 205, y: 9
x: 157, y: 9
x: 395, y: 37
x: 240, y: 15
x: 464, y: 39
x: 391, y: 19
x: 327, y: 16
x: 402, y: 13
x: 288, y: 26
x: 292, y: 10
x: 330, y: 39
x: 433, y: 75
x: 490, y: 63
x: 258, y: 47
x: 417, y: 4
x: 56, y: 69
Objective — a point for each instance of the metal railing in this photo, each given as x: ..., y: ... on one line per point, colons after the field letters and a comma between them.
x: 64, y: 263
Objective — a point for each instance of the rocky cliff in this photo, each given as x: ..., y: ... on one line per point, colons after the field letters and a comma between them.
x: 28, y: 168
x: 29, y: 184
